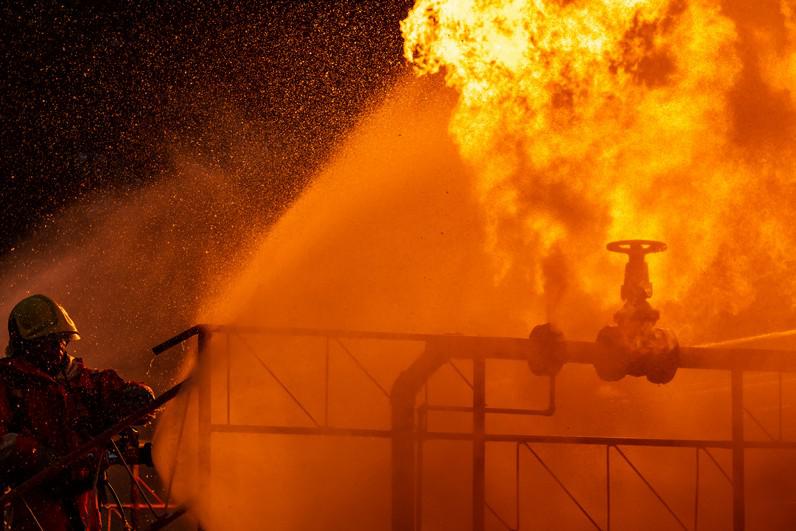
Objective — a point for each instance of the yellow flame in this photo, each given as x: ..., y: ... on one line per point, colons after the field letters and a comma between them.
x: 589, y: 121
x: 779, y: 61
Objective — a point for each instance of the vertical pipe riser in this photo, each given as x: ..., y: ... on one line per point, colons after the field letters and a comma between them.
x: 204, y: 413
x: 479, y: 443
x: 404, y: 463
x: 738, y: 480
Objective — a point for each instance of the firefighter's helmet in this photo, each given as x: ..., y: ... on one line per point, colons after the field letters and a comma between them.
x: 39, y: 316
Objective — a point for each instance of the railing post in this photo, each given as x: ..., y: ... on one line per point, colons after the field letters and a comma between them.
x: 608, y: 488
x: 404, y: 466
x: 135, y: 498
x: 479, y: 443
x: 422, y: 426
x: 205, y: 419
x: 738, y: 502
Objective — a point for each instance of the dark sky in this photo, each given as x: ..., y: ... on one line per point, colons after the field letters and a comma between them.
x: 96, y: 96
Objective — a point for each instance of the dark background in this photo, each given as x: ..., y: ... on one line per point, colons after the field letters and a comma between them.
x: 101, y: 105
x: 96, y: 97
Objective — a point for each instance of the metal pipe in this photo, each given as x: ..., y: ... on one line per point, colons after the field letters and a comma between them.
x: 608, y: 488
x: 726, y: 444
x: 509, y: 348
x: 479, y: 444
x: 422, y: 425
x: 546, y: 412
x: 738, y: 504
x: 228, y: 386
x: 696, y: 493
x: 301, y: 430
x: 404, y: 466
x: 612, y: 441
x: 179, y: 338
x: 205, y: 415
x: 517, y: 485
x: 326, y: 359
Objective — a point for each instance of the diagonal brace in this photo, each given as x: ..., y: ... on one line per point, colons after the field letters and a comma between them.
x: 650, y: 487
x: 563, y: 487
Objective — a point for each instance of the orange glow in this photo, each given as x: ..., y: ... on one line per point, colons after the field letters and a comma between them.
x: 485, y: 210
x: 779, y: 61
x: 590, y: 121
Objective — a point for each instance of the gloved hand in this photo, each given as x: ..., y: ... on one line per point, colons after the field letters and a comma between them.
x: 126, y: 401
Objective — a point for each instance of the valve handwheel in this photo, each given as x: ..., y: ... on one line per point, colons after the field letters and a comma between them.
x: 637, y: 280
x: 636, y: 247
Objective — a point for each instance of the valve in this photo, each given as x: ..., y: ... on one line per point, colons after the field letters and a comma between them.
x: 634, y: 345
x: 637, y: 277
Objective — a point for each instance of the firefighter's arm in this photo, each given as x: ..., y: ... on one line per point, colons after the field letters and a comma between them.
x: 121, y: 398
x: 20, y: 453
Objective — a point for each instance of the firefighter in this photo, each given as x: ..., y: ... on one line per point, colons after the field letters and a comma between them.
x: 50, y: 403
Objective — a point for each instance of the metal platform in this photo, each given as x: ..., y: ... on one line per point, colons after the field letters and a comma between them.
x: 408, y: 431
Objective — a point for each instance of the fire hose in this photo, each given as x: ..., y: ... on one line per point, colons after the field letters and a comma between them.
x: 100, y: 441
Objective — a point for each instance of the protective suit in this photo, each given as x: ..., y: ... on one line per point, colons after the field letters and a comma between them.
x: 50, y: 403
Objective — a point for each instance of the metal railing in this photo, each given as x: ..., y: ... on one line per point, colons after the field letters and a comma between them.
x: 408, y: 428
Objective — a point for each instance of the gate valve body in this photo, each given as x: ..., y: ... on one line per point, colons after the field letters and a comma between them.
x: 634, y: 345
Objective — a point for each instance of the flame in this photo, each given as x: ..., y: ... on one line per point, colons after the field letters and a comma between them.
x: 779, y: 66
x: 590, y: 121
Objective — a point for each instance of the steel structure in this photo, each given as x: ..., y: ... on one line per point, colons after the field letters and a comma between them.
x: 408, y: 431
x: 633, y: 346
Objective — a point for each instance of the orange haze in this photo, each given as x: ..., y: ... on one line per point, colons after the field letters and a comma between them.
x: 484, y: 208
